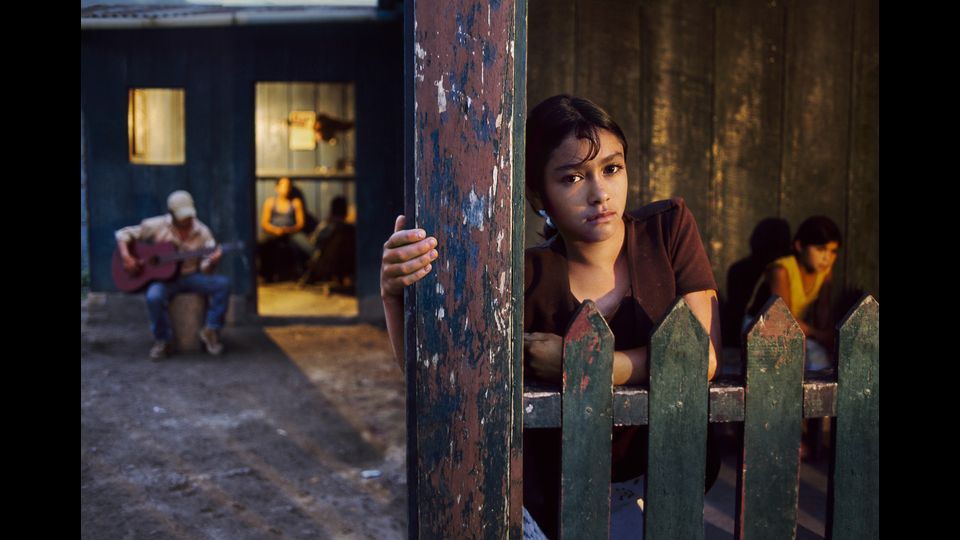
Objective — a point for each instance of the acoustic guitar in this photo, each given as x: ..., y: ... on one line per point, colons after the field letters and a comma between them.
x: 159, y: 261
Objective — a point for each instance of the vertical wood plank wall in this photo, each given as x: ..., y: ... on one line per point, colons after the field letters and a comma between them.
x: 748, y: 109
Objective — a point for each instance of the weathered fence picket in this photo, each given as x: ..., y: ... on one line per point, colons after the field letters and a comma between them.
x: 587, y: 426
x: 855, y: 482
x: 768, y: 483
x: 677, y: 451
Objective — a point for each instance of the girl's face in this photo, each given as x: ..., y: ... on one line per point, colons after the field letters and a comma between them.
x: 818, y: 258
x: 586, y: 200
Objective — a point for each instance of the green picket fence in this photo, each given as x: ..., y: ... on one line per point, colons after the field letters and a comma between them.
x: 771, y: 402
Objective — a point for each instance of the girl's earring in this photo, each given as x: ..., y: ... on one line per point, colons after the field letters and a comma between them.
x: 545, y: 216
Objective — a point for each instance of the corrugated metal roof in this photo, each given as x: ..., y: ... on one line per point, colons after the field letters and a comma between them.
x: 138, y: 16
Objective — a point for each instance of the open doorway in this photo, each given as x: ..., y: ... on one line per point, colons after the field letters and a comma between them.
x: 306, y: 199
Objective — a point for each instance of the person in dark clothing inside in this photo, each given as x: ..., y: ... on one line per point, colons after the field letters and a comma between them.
x: 334, y: 256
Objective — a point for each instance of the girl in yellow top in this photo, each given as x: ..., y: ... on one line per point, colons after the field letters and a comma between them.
x: 803, y: 281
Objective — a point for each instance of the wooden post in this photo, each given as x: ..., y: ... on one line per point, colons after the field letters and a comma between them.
x: 463, y: 122
x: 767, y: 489
x: 855, y: 494
x: 679, y: 362
x: 587, y: 426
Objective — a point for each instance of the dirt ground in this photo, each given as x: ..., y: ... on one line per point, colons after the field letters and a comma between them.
x: 295, y: 432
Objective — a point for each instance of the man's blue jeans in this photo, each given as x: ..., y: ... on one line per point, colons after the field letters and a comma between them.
x: 215, y: 287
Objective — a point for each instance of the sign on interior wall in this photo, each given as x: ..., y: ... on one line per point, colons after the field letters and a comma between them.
x: 302, y: 130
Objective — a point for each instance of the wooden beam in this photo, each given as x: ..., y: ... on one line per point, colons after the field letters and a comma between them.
x: 541, y: 403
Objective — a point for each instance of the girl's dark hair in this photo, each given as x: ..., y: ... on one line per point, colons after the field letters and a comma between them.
x: 817, y: 231
x: 552, y: 121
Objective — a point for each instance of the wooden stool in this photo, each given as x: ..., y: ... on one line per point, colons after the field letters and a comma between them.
x: 188, y: 312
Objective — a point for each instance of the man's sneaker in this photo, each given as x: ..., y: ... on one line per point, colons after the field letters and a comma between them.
x: 211, y: 341
x: 159, y: 350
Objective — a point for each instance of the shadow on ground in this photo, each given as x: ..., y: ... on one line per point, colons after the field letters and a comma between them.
x: 296, y: 432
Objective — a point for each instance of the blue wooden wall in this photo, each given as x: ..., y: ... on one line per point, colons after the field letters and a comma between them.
x: 218, y: 68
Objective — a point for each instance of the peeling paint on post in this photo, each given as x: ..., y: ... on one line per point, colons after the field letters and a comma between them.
x: 462, y: 111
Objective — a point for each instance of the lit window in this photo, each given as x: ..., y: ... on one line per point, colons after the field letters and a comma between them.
x: 155, y: 122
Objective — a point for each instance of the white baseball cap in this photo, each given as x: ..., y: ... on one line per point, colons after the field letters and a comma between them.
x: 180, y: 204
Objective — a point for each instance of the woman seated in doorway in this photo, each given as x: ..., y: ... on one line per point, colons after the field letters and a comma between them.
x: 286, y: 248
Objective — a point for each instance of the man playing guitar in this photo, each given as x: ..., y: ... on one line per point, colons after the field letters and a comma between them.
x: 181, y: 228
